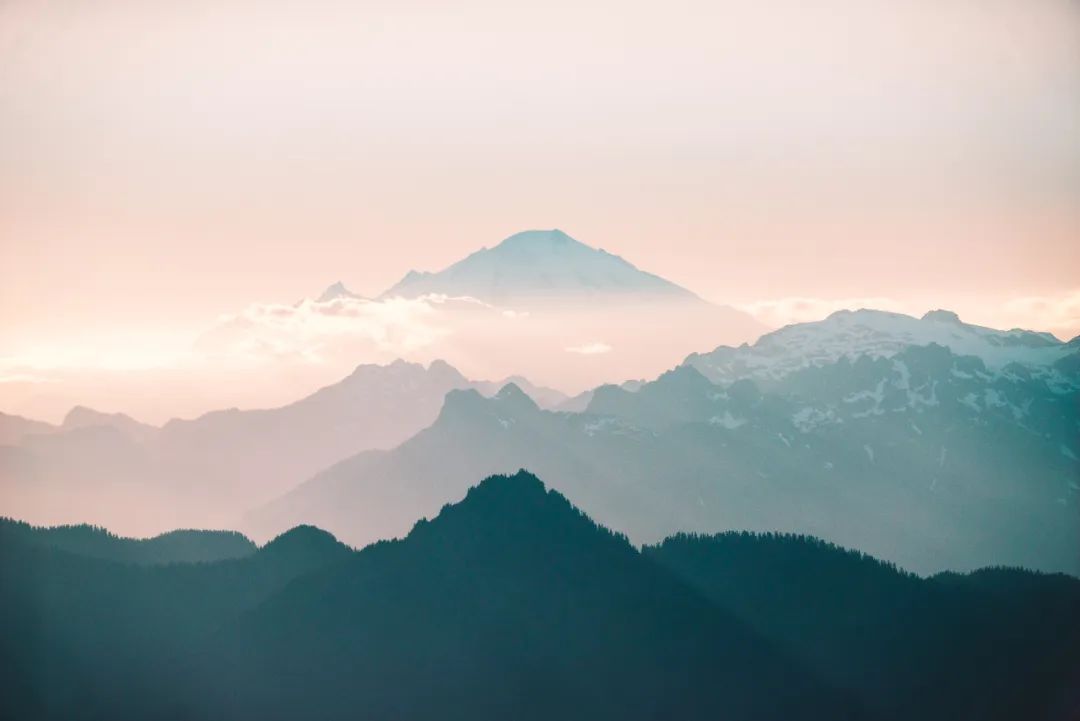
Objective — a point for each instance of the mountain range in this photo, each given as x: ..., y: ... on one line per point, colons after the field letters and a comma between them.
x: 853, y: 429
x: 927, y: 441
x: 512, y: 603
x: 206, y: 471
x: 540, y: 304
x: 180, y: 546
x: 924, y: 457
x: 880, y: 334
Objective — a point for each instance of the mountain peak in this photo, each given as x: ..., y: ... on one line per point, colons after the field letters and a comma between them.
x: 304, y: 542
x: 518, y: 510
x: 335, y: 291
x: 943, y: 316
x: 83, y: 417
x: 462, y: 402
x: 543, y: 239
x: 517, y: 486
x: 540, y: 265
x: 512, y: 395
x: 684, y: 376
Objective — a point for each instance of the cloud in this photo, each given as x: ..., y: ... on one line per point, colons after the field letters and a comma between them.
x: 23, y: 378
x: 1058, y: 313
x: 785, y: 311
x: 359, y: 328
x: 595, y: 348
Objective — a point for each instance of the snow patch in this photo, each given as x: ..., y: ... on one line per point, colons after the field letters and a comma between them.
x: 727, y: 421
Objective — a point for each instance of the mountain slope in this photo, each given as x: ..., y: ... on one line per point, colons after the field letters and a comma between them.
x: 509, y: 604
x: 182, y: 546
x: 946, y: 647
x: 540, y: 265
x: 923, y: 458
x: 14, y: 429
x: 880, y: 334
x: 83, y: 417
x: 206, y: 471
x: 86, y: 638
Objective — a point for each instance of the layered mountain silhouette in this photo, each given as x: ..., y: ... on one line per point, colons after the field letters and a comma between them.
x: 851, y: 429
x: 205, y: 471
x: 15, y: 429
x: 539, y: 304
x: 181, y: 546
x: 85, y: 637
x: 925, y: 457
x: 513, y: 604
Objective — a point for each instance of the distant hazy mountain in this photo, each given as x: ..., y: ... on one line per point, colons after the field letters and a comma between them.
x: 879, y: 334
x: 15, y: 429
x: 513, y: 604
x: 924, y: 458
x: 337, y: 290
x: 83, y: 417
x: 206, y: 471
x: 184, y: 546
x: 571, y: 315
x: 541, y: 265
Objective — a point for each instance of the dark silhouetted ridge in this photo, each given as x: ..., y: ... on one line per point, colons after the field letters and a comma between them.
x: 181, y: 546
x: 303, y: 547
x: 508, y: 604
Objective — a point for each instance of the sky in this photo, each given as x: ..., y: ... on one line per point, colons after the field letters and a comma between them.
x: 163, y: 164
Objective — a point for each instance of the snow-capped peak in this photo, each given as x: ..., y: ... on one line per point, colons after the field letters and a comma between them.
x: 877, y: 334
x: 540, y: 265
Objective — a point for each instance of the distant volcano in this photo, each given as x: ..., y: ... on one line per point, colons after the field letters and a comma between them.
x: 542, y: 265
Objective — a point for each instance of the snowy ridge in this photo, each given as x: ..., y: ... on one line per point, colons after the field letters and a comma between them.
x: 881, y: 334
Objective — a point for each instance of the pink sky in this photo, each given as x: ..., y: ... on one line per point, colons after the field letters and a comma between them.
x: 164, y: 163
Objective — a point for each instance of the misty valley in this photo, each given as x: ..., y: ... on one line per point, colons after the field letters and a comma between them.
x: 872, y: 515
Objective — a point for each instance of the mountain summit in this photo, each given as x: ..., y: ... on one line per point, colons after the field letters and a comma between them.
x: 541, y: 265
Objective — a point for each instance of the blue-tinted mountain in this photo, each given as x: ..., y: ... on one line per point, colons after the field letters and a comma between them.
x: 206, y: 471
x: 541, y: 265
x: 925, y: 458
x: 880, y: 334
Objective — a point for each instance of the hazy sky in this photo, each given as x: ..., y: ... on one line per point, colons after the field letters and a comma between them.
x: 162, y: 163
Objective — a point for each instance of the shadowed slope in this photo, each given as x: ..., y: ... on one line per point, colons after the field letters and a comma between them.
x: 993, y: 644
x: 509, y: 604
x: 182, y: 546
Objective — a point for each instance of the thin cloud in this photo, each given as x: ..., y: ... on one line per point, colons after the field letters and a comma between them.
x: 595, y: 348
x: 315, y: 331
x: 779, y: 312
x: 1059, y: 313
